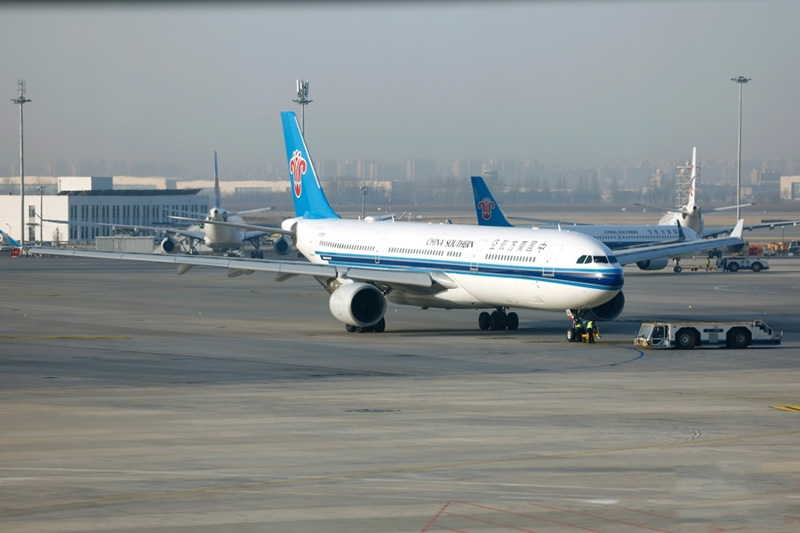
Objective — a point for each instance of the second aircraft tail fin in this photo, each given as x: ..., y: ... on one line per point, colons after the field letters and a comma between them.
x: 489, y: 213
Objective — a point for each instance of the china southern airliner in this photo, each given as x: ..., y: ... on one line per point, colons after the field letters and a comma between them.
x: 364, y: 264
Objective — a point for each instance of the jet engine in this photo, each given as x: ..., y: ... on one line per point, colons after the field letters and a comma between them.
x: 358, y: 304
x: 607, y: 311
x: 653, y: 264
x: 168, y: 245
x: 282, y: 245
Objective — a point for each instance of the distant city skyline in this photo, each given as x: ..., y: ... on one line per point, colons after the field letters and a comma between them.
x: 587, y: 84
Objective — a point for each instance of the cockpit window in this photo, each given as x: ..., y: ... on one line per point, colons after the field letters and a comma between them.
x: 581, y: 259
x: 613, y: 259
x: 600, y: 259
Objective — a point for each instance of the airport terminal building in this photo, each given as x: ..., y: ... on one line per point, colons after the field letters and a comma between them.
x: 86, y: 201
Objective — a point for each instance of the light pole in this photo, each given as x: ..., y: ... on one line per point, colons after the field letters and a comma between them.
x: 302, y: 99
x: 20, y: 101
x: 364, y: 190
x: 741, y: 80
x: 41, y: 190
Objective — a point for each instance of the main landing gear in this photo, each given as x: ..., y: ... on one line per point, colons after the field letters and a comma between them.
x: 498, y: 320
x: 677, y: 268
x: 377, y: 328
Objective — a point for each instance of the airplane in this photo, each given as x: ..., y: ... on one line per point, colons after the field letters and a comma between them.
x: 220, y: 239
x: 615, y: 236
x: 691, y: 214
x: 365, y: 264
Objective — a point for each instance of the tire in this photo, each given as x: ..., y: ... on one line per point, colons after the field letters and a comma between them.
x: 380, y: 327
x: 685, y: 339
x: 484, y: 320
x: 497, y: 321
x: 738, y: 338
x: 572, y: 335
x: 512, y: 321
x: 349, y: 328
x: 677, y: 268
x: 757, y: 267
x: 733, y: 267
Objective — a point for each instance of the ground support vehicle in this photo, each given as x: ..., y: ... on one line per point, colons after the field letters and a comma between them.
x: 687, y: 335
x: 736, y: 263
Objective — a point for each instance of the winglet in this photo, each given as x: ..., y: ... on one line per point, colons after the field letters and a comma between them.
x: 681, y: 234
x: 489, y: 213
x: 737, y: 231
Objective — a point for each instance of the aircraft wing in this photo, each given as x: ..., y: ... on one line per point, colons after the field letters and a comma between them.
x: 770, y: 225
x: 552, y: 222
x: 258, y: 210
x: 252, y: 227
x: 661, y: 208
x: 189, y: 233
x: 413, y: 281
x: 634, y: 255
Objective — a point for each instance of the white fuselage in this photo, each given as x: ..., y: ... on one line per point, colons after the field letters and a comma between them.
x: 625, y: 236
x: 223, y: 237
x: 690, y: 218
x: 481, y: 266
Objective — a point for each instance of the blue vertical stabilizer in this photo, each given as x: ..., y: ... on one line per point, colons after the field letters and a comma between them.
x: 309, y: 198
x: 489, y: 213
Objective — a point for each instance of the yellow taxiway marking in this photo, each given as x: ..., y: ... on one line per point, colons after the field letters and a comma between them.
x: 790, y: 408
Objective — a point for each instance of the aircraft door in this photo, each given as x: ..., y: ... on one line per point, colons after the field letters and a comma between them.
x: 477, y: 256
x: 550, y: 259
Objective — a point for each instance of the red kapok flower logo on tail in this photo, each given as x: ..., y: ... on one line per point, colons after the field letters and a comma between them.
x: 297, y: 167
x: 486, y: 206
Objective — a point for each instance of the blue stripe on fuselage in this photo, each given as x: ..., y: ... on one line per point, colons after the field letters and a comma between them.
x: 599, y: 279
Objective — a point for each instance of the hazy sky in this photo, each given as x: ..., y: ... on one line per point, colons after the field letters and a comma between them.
x: 586, y: 83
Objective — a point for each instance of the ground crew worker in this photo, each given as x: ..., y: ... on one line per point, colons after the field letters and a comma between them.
x: 590, y: 331
x: 578, y: 326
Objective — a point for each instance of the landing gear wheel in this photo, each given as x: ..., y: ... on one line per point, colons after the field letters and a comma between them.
x: 349, y: 328
x: 497, y: 320
x: 677, y: 268
x: 572, y: 335
x: 484, y: 320
x: 380, y: 327
x: 512, y: 321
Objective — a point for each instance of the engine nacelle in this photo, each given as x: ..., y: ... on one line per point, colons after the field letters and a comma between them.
x: 282, y: 245
x: 358, y: 304
x: 168, y: 245
x: 653, y: 264
x: 607, y: 311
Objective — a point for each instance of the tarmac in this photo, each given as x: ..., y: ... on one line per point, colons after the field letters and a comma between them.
x: 133, y: 399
